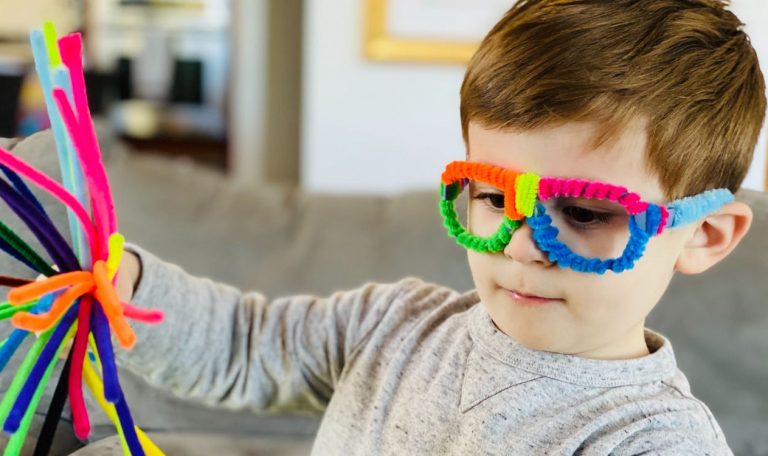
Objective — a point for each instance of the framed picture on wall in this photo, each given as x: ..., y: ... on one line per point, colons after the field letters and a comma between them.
x: 428, y: 30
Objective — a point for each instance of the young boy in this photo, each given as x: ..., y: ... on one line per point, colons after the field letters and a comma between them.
x: 586, y: 122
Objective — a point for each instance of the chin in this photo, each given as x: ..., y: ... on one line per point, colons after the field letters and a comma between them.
x: 540, y: 337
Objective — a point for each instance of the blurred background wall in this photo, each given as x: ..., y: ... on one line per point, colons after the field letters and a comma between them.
x: 396, y: 124
x: 754, y: 14
x: 372, y: 126
x: 278, y: 90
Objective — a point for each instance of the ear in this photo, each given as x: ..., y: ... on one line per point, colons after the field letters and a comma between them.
x: 714, y: 238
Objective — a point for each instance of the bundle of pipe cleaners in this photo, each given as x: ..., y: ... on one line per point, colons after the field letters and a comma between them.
x: 76, y: 300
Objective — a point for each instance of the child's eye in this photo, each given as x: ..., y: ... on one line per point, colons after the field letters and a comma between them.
x: 494, y: 200
x: 584, y: 218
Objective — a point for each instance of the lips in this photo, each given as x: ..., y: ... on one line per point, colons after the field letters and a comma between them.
x: 528, y: 298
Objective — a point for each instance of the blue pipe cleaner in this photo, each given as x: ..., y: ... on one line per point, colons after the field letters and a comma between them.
x: 112, y: 390
x: 129, y: 430
x: 100, y: 330
x: 23, y: 190
x: 16, y: 414
x: 11, y: 345
x: 649, y: 219
x: 545, y: 236
x: 691, y: 208
x: 18, y: 335
x: 45, y: 232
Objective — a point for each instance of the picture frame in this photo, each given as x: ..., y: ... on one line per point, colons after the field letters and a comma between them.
x: 382, y: 43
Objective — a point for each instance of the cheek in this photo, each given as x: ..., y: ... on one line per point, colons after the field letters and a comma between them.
x: 477, y: 263
x: 482, y: 221
x: 481, y: 267
x: 661, y: 254
x: 650, y: 275
x: 628, y: 296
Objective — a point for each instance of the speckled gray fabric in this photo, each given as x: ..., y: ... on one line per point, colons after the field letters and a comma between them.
x: 201, y: 444
x: 409, y: 368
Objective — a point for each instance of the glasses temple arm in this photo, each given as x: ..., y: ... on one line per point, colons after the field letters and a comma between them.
x: 691, y: 208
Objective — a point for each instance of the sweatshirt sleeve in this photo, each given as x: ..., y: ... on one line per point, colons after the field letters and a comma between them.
x: 240, y: 350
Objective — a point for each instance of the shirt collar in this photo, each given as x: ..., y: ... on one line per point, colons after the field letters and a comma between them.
x: 498, y: 361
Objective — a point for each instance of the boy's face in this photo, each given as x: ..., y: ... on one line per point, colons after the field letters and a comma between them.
x: 590, y: 315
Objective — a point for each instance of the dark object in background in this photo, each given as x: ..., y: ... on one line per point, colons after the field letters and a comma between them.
x: 187, y: 82
x: 10, y: 89
x: 102, y: 89
x: 124, y: 81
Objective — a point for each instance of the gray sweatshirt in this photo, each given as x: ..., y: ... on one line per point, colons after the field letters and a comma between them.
x: 409, y: 368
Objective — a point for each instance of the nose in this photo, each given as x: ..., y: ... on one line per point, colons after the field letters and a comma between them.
x: 522, y: 247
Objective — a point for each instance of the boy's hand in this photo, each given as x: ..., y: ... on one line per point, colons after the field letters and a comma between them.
x: 128, y: 276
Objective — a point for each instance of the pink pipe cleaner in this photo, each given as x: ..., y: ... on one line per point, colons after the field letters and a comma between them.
x: 81, y: 423
x: 87, y: 147
x: 53, y: 187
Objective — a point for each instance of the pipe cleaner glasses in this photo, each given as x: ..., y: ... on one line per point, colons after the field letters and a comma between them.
x: 587, y: 226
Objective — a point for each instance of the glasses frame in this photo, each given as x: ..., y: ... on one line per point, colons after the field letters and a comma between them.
x: 524, y: 193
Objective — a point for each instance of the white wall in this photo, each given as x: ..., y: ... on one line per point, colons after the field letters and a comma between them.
x: 754, y: 13
x: 381, y: 127
x: 371, y: 126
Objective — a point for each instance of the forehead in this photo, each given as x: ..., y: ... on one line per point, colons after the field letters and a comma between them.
x: 567, y: 151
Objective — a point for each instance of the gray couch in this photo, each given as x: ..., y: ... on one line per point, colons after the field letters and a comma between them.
x: 281, y: 240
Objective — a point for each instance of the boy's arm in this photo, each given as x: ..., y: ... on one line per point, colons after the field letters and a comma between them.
x: 239, y: 350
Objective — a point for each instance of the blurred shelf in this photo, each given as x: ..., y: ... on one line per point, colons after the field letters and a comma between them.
x: 202, y: 150
x: 196, y: 131
x: 15, y: 55
x: 165, y: 4
x: 147, y: 119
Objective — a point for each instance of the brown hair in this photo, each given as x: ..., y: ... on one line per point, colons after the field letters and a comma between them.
x: 684, y: 66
